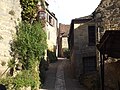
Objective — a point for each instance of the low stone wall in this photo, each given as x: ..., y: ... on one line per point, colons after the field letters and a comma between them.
x: 112, y: 76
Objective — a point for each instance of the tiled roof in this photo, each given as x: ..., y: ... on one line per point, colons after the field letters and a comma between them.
x: 64, y: 29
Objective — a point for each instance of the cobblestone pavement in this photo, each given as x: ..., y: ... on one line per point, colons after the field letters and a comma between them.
x: 60, y: 81
x: 59, y: 77
x: 70, y: 82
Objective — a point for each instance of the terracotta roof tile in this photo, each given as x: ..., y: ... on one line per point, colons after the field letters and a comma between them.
x: 64, y: 29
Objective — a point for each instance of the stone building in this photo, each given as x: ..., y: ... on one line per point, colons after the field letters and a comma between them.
x: 51, y: 26
x: 82, y: 45
x: 107, y: 18
x: 63, y: 38
x: 10, y: 15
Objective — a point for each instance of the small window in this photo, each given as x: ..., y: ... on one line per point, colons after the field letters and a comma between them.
x: 91, y: 35
x: 89, y: 64
x: 51, y: 20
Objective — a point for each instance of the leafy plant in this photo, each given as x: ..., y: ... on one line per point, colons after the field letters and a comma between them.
x: 66, y: 53
x: 30, y: 43
x: 27, y: 48
x: 29, y: 9
x: 51, y: 56
x: 30, y: 46
x: 43, y: 67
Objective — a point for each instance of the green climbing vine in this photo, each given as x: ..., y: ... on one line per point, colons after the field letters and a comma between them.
x: 29, y: 9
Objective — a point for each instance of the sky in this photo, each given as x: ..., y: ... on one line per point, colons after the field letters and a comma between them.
x: 66, y: 10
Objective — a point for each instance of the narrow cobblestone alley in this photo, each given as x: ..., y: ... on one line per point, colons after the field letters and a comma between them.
x: 59, y: 77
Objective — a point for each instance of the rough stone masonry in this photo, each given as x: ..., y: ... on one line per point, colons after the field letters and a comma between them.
x: 10, y: 15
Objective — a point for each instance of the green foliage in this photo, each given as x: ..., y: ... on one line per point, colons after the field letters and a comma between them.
x: 30, y: 44
x: 66, y: 53
x: 28, y: 48
x: 51, y: 56
x: 29, y: 9
x: 26, y: 78
x: 11, y: 63
x: 43, y: 67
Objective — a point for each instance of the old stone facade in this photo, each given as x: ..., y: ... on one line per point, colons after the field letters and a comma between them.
x: 51, y: 27
x: 51, y: 30
x: 109, y: 13
x: 10, y: 15
x: 107, y: 17
x: 82, y: 49
x: 63, y: 38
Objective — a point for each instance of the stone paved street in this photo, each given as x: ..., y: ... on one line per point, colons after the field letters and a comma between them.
x: 59, y: 77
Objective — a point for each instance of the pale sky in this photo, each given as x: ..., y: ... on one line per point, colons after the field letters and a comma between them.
x: 66, y: 10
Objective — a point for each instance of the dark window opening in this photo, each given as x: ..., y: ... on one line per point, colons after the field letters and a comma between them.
x: 50, y: 19
x: 89, y: 64
x: 91, y: 35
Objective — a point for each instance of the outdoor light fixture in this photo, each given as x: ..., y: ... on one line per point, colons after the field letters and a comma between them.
x: 41, y: 15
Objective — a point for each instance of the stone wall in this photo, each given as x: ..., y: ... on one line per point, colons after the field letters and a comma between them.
x: 10, y: 15
x: 63, y: 34
x: 112, y: 75
x: 109, y: 12
x: 81, y: 47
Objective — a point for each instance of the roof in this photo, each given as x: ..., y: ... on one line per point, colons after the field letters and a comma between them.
x: 64, y: 29
x: 110, y: 43
x: 85, y: 19
x: 51, y: 13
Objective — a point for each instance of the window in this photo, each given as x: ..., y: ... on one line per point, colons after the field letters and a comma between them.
x: 51, y: 20
x: 91, y: 35
x: 89, y: 64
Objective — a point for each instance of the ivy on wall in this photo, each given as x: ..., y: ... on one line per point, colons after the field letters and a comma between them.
x: 29, y: 9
